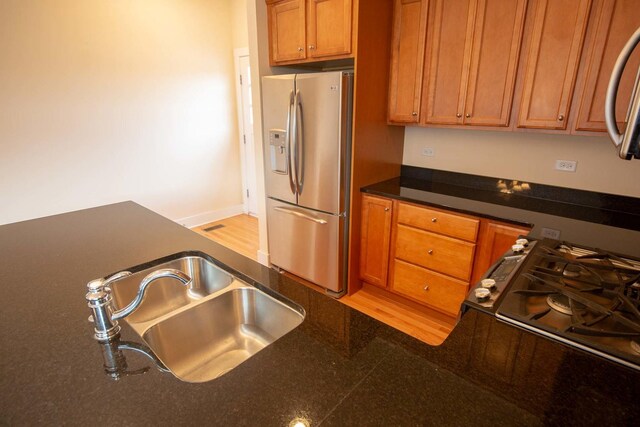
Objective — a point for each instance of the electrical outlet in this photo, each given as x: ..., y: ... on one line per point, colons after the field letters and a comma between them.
x: 550, y: 233
x: 428, y: 151
x: 566, y: 165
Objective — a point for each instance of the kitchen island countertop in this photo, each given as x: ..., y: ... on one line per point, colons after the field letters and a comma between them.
x: 340, y: 367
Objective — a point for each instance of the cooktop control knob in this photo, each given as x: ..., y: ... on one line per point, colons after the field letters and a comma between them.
x: 517, y: 248
x: 482, y: 294
x: 489, y: 284
x: 523, y: 242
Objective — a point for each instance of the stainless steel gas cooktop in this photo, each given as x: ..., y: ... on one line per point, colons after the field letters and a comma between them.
x: 586, y: 298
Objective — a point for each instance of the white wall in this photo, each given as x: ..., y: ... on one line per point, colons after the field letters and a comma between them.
x: 239, y: 24
x: 103, y: 101
x: 525, y: 156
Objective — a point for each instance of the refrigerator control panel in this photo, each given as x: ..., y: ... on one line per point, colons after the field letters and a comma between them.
x: 278, y: 150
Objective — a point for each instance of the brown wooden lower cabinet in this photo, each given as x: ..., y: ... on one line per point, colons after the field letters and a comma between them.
x: 428, y: 287
x: 495, y: 238
x: 429, y: 261
x: 375, y: 237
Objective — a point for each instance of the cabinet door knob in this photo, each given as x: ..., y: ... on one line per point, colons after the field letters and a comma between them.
x: 426, y: 287
x: 561, y: 117
x: 300, y: 49
x: 430, y: 251
x: 468, y: 115
x: 459, y: 115
x: 312, y: 47
x: 414, y: 114
x: 386, y: 209
x: 434, y: 219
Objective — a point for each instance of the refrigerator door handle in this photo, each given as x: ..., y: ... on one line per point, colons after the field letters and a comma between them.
x: 289, y: 136
x: 300, y: 215
x: 294, y: 132
x: 299, y: 154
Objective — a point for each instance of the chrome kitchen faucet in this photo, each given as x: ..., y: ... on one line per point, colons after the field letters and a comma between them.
x: 105, y: 317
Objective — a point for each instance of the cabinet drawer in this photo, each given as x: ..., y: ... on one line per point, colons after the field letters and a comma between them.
x: 457, y: 226
x: 443, y: 254
x: 440, y: 292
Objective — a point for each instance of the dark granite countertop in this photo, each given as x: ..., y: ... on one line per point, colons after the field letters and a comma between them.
x: 340, y: 367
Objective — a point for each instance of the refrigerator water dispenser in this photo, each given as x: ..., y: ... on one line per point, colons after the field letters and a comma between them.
x: 278, y: 150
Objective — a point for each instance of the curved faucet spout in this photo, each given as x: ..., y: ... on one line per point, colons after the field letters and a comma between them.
x: 99, y: 300
x: 150, y: 278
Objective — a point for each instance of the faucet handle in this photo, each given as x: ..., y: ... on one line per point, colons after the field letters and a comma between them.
x: 117, y: 276
x: 98, y: 285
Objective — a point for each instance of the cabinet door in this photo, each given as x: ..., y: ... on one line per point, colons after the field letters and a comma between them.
x: 375, y: 238
x: 329, y: 27
x: 287, y: 30
x: 495, y: 239
x: 557, y: 37
x: 407, y: 60
x: 497, y: 38
x: 614, y: 23
x: 448, y: 58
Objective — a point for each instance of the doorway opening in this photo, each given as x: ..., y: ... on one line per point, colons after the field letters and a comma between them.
x: 245, y: 131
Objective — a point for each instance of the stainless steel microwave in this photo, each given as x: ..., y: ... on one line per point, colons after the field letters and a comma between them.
x: 628, y: 142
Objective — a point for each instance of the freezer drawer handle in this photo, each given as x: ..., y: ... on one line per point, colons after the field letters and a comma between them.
x: 300, y: 215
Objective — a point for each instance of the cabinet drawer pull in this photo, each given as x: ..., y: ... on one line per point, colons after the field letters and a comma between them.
x: 426, y: 287
x: 459, y: 115
x: 414, y: 114
x: 434, y: 219
x: 300, y: 49
x: 430, y: 251
x: 468, y: 115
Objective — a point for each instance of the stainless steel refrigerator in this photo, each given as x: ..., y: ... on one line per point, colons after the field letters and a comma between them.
x: 307, y: 137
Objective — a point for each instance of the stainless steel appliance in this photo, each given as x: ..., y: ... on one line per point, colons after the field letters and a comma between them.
x: 583, y: 297
x: 307, y: 138
x: 629, y: 140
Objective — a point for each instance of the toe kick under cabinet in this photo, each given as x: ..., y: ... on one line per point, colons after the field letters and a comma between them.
x: 428, y: 255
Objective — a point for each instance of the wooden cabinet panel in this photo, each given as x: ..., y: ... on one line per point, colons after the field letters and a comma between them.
x: 407, y: 60
x: 375, y: 237
x: 494, y: 240
x: 614, y: 22
x: 446, y: 255
x: 329, y: 27
x: 287, y: 30
x: 447, y: 60
x: 494, y: 60
x: 425, y: 286
x: 438, y: 221
x: 552, y: 62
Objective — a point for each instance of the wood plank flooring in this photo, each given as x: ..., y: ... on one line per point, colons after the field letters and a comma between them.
x: 240, y: 234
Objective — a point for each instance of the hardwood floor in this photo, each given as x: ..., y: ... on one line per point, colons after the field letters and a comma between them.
x: 238, y: 233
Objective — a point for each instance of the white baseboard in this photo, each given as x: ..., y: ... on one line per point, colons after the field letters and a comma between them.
x: 263, y: 257
x: 211, y: 216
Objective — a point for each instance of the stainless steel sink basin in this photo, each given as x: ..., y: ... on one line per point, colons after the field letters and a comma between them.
x: 168, y: 294
x: 209, y: 339
x: 207, y: 328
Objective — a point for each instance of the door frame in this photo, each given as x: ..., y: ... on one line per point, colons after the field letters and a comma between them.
x: 237, y: 54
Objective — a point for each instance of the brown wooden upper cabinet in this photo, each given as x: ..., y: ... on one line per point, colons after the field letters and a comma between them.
x: 552, y: 60
x: 472, y: 56
x: 613, y: 23
x: 407, y: 60
x: 309, y: 30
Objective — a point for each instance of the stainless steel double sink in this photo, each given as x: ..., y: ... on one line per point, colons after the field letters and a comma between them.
x: 202, y: 331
